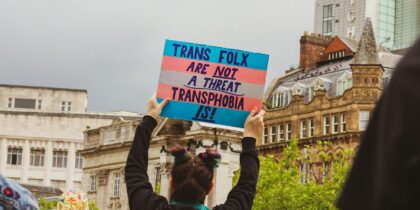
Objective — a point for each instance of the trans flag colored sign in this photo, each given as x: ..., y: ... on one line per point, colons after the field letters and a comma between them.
x: 211, y: 84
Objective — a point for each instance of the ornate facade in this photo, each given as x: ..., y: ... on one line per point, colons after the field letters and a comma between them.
x: 329, y: 100
x: 106, y: 149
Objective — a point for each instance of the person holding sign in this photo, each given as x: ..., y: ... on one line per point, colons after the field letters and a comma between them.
x: 191, y: 176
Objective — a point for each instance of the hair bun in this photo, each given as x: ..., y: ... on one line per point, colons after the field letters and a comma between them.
x: 211, y: 158
x: 181, y: 155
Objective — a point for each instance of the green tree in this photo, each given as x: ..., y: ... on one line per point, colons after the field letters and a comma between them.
x: 280, y: 181
x: 52, y: 205
x: 46, y: 205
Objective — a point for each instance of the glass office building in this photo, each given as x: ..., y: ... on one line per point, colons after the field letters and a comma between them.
x: 407, y: 21
x: 396, y: 22
x: 386, y: 25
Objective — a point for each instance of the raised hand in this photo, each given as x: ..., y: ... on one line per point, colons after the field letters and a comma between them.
x: 154, y: 108
x: 254, y: 124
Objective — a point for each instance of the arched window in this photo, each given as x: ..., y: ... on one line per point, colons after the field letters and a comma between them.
x: 281, y: 97
x: 344, y: 83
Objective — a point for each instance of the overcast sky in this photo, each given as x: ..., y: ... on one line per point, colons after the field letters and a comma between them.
x: 114, y: 48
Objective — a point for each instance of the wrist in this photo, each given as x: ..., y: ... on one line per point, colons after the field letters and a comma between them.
x: 249, y: 134
x: 152, y: 116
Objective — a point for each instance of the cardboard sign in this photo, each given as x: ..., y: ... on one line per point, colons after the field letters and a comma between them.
x: 211, y: 84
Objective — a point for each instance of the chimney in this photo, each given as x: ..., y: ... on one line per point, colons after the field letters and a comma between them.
x: 311, y: 48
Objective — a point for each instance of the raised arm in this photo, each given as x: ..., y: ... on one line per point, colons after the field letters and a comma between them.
x: 243, y: 194
x: 139, y: 189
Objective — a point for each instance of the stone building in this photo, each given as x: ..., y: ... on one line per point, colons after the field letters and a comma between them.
x: 41, y: 129
x: 106, y: 149
x: 330, y: 98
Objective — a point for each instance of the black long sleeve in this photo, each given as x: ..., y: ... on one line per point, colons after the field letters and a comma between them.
x: 243, y: 194
x: 140, y: 191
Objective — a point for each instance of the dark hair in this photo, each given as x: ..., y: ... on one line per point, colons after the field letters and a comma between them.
x: 192, y: 175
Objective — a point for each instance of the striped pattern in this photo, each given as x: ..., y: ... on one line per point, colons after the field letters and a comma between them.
x: 229, y: 99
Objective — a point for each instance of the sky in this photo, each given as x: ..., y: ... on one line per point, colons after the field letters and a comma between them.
x: 114, y: 48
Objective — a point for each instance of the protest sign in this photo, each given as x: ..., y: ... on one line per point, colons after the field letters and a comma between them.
x: 211, y: 84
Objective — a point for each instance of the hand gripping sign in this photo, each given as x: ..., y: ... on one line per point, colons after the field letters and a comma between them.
x: 211, y: 84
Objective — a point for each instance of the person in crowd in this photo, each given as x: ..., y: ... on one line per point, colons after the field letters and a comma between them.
x: 73, y: 200
x: 191, y: 176
x: 386, y: 169
x: 15, y: 197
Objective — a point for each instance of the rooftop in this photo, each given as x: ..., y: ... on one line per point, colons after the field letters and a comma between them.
x: 42, y: 87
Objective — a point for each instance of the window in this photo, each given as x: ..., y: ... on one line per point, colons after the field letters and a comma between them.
x: 158, y: 177
x: 325, y: 171
x: 14, y: 156
x: 93, y: 181
x: 343, y: 85
x: 311, y: 127
x: 305, y: 172
x: 363, y: 120
x: 327, y: 22
x: 37, y: 157
x: 343, y: 123
x: 335, y: 55
x: 69, y: 106
x: 327, y: 125
x: 303, y: 129
x: 273, y: 134
x: 79, y: 161
x: 311, y: 93
x: 39, y: 105
x: 335, y: 123
x: 280, y: 99
x: 58, y: 184
x: 265, y: 135
x: 24, y: 103
x: 117, y: 182
x: 38, y: 182
x: 66, y: 106
x: 281, y: 132
x: 274, y: 101
x: 10, y: 104
x: 288, y: 131
x: 60, y: 159
x: 63, y: 106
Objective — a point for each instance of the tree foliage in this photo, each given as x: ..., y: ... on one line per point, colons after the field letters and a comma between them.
x: 280, y: 180
x: 52, y: 205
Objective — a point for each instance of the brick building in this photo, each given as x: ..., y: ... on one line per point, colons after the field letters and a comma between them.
x: 330, y: 97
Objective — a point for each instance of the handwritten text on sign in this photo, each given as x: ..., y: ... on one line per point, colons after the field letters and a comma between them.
x: 211, y: 84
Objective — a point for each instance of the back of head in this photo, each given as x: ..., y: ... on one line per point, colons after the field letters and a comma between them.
x: 192, y: 175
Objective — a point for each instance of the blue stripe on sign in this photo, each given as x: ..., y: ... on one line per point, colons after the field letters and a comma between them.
x: 257, y: 61
x: 187, y: 111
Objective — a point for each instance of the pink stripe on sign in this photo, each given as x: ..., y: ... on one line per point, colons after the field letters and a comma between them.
x: 219, y: 99
x: 242, y: 75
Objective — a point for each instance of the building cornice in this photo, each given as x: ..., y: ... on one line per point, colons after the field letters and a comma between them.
x: 71, y: 115
x: 31, y: 138
x: 43, y: 87
x: 106, y: 147
x: 312, y: 140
